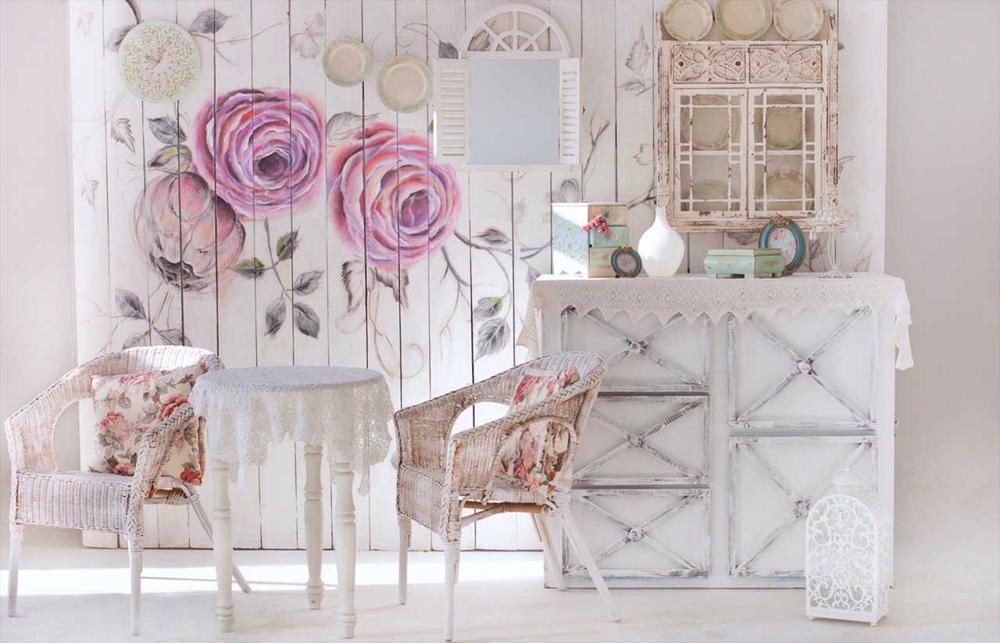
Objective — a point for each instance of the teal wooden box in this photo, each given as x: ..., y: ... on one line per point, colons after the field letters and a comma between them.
x: 579, y: 252
x: 745, y: 262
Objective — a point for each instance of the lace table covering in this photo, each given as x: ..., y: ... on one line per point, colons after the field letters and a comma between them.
x: 696, y: 295
x: 346, y: 410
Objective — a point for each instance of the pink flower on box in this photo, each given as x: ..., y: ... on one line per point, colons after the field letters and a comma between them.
x: 382, y: 182
x: 266, y: 152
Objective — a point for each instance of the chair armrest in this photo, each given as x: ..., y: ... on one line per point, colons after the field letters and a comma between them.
x: 30, y: 429
x: 154, y: 450
x: 422, y: 430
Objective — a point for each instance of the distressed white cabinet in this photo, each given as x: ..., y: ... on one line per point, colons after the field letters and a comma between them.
x: 709, y: 441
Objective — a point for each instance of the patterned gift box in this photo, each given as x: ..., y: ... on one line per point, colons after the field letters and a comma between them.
x: 576, y: 251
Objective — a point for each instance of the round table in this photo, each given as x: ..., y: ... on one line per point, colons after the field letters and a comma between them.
x: 344, y: 409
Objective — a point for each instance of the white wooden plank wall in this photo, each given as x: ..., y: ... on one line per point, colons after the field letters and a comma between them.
x: 430, y: 325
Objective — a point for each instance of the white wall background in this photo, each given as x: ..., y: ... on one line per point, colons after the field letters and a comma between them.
x: 941, y: 236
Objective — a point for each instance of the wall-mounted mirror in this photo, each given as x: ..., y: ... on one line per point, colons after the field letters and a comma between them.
x: 512, y: 101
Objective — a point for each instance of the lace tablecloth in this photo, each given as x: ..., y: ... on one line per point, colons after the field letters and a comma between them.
x: 346, y: 410
x: 696, y: 295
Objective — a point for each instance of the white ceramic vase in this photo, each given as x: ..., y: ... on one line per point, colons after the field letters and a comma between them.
x: 661, y: 247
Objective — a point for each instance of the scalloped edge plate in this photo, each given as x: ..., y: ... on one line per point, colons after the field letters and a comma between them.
x: 788, y: 134
x: 687, y: 19
x: 742, y: 11
x: 798, y: 19
x: 409, y: 70
x: 339, y: 47
x: 133, y: 35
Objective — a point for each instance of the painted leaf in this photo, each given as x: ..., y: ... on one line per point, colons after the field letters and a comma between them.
x: 250, y: 268
x: 487, y: 307
x: 129, y: 305
x: 447, y: 50
x: 172, y: 158
x: 638, y: 55
x: 395, y: 282
x: 274, y: 317
x: 89, y: 191
x: 287, y: 244
x: 306, y: 319
x: 121, y: 132
x: 644, y: 156
x: 138, y: 339
x: 173, y: 336
x: 492, y: 336
x: 352, y: 275
x: 342, y: 125
x: 115, y: 38
x: 307, y: 282
x: 208, y: 21
x: 493, y: 237
x: 166, y: 130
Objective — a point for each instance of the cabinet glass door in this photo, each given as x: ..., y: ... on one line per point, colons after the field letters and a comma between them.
x: 711, y: 176
x: 785, y: 152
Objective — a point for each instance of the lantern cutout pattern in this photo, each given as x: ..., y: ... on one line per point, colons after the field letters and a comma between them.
x: 847, y: 554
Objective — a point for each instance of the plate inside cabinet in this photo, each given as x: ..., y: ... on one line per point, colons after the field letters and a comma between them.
x: 404, y: 84
x: 784, y: 124
x: 743, y: 19
x: 788, y: 188
x: 346, y: 61
x: 709, y: 195
x: 687, y: 19
x: 798, y: 19
x: 710, y: 125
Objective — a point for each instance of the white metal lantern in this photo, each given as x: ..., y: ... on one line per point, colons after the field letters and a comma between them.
x: 847, y: 555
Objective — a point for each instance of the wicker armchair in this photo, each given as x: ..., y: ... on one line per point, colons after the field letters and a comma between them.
x: 441, y: 474
x: 43, y: 495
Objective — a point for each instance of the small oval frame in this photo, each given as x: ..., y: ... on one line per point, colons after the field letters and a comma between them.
x: 800, y: 240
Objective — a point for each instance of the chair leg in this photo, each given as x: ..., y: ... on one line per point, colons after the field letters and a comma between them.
x: 405, y: 529
x: 550, y: 550
x: 206, y: 524
x: 135, y: 569
x: 576, y: 540
x: 16, y: 536
x: 451, y: 553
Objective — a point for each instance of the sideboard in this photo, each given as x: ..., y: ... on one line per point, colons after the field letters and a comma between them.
x: 726, y: 410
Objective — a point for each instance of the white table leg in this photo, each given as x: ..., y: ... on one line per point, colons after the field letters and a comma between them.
x: 345, y: 539
x: 314, y: 525
x: 222, y: 546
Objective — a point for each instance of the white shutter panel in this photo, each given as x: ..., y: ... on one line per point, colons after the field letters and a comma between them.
x: 569, y: 111
x: 451, y: 99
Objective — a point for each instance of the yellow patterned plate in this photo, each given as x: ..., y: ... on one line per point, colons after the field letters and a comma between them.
x: 687, y: 19
x: 798, y: 19
x: 743, y: 19
x: 159, y: 61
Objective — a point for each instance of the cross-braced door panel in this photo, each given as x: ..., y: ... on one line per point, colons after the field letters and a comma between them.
x: 642, y: 354
x: 804, y: 371
x: 644, y: 439
x: 774, y: 480
x: 642, y: 533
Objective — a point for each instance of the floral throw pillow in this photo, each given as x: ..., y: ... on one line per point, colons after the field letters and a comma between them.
x: 533, y: 457
x: 536, y: 385
x: 127, y: 405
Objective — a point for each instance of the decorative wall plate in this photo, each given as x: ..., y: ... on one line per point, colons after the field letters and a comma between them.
x: 784, y: 124
x: 709, y: 195
x: 346, y: 61
x: 798, y: 19
x: 787, y: 186
x: 687, y: 19
x: 743, y: 19
x: 159, y: 61
x: 404, y: 84
x: 786, y: 235
x: 710, y: 127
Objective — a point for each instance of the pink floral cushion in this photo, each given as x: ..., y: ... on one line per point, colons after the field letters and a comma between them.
x: 533, y: 456
x: 127, y: 405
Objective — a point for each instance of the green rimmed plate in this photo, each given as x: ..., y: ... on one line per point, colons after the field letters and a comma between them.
x: 346, y: 61
x: 404, y: 84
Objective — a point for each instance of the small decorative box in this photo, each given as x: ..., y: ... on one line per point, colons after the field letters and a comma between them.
x: 577, y: 251
x: 745, y: 262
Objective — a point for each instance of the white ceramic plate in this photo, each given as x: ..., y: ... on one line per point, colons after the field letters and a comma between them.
x: 784, y: 124
x: 404, y: 84
x: 346, y: 61
x: 798, y: 19
x: 743, y: 19
x: 159, y: 61
x: 687, y: 19
x: 709, y: 195
x: 787, y: 187
x: 710, y: 129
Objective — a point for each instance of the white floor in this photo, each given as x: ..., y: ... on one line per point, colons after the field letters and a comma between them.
x: 80, y: 595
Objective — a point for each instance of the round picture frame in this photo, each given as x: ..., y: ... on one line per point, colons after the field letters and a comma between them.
x: 777, y: 233
x: 159, y: 61
x: 626, y: 262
